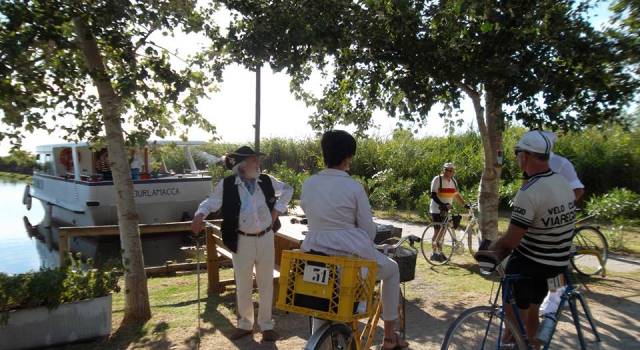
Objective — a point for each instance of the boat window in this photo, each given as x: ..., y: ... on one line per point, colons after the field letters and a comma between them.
x: 43, y: 163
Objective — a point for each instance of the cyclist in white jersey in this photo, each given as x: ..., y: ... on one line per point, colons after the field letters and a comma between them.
x: 540, y: 232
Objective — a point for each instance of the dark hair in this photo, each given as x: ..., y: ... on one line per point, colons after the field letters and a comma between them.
x: 337, y: 145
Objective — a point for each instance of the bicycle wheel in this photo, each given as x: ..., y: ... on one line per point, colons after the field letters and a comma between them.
x: 590, y: 244
x: 479, y: 328
x: 444, y: 244
x: 336, y: 336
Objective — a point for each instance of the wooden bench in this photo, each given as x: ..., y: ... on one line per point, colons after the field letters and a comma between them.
x: 216, y: 252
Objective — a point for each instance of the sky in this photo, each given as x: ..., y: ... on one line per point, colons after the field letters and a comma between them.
x: 232, y: 108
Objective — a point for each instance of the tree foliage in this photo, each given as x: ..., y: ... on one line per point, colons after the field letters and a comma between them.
x: 45, y: 83
x: 542, y: 60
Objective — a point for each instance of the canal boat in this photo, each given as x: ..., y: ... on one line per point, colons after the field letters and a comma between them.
x: 76, y: 189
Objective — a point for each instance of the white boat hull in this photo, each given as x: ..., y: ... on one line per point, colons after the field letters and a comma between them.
x: 83, y: 203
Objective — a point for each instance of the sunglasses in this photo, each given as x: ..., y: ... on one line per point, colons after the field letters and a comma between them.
x: 448, y: 170
x: 518, y: 151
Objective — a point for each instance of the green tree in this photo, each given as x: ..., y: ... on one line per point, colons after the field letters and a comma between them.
x: 88, y: 67
x: 537, y: 62
x: 627, y: 18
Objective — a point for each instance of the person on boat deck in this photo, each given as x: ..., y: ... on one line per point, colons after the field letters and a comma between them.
x: 340, y: 223
x: 250, y: 204
x: 102, y: 165
x: 135, y: 165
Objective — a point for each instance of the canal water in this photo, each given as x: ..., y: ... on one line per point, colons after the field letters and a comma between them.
x: 19, y: 252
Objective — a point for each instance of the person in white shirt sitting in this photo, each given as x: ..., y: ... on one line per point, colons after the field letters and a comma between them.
x: 341, y: 223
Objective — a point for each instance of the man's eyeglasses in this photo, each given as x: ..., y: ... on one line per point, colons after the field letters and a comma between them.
x: 448, y: 170
x: 518, y: 151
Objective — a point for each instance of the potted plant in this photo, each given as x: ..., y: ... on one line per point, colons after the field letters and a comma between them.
x: 55, y: 306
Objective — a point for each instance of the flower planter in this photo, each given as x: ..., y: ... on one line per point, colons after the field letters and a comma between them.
x: 69, y: 322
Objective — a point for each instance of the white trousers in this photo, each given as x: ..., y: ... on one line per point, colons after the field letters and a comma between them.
x: 389, y: 273
x: 258, y: 252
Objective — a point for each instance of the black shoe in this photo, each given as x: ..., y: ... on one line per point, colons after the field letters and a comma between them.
x: 435, y: 257
x: 441, y: 257
x: 269, y: 336
x: 240, y: 333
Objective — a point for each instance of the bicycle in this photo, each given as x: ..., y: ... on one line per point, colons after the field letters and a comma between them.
x: 347, y: 334
x: 447, y: 240
x: 592, y: 249
x: 482, y: 327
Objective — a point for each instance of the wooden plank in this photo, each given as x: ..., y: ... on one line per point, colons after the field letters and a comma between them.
x: 227, y: 282
x: 227, y: 254
x: 113, y: 230
x: 158, y: 270
x: 63, y: 247
x: 213, y: 273
x: 218, y: 239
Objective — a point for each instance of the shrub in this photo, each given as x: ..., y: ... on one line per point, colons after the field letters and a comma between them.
x: 291, y: 178
x: 603, y: 157
x: 620, y: 203
x: 422, y: 205
x: 507, y: 192
x: 52, y: 287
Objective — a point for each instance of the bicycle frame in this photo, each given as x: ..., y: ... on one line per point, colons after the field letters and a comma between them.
x: 369, y: 330
x: 571, y: 291
x: 445, y: 223
x: 506, y: 283
x: 508, y: 299
x: 363, y: 338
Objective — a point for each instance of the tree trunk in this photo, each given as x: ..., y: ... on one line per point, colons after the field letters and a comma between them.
x: 490, y: 123
x: 136, y: 294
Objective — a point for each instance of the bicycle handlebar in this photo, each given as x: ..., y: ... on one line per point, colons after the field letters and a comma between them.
x: 386, y: 247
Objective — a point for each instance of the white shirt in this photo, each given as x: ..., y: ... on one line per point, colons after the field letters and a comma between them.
x: 339, y: 215
x: 445, y: 194
x: 563, y: 166
x: 254, y: 213
x: 545, y: 207
x: 136, y: 162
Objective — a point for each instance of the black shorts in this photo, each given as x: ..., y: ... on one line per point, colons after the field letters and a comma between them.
x: 532, y: 287
x: 436, y: 218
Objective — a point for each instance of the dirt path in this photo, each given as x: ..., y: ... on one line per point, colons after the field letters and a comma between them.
x: 614, y: 303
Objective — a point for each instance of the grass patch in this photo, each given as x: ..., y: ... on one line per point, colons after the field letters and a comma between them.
x: 411, y: 216
x: 622, y: 239
x: 174, y: 308
x: 14, y: 177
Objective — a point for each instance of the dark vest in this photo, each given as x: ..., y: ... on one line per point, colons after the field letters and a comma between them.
x: 231, y: 208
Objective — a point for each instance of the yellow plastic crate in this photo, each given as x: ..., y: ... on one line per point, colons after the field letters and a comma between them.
x: 328, y: 287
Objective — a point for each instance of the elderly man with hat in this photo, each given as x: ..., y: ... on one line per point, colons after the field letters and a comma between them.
x: 250, y: 203
x: 540, y: 231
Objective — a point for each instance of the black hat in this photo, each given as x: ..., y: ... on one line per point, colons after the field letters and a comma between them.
x: 242, y: 153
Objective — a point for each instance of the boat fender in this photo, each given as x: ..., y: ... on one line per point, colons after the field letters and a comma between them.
x: 26, y: 197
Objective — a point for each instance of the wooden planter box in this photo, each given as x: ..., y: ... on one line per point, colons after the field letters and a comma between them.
x: 69, y: 322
